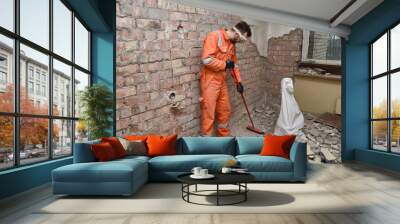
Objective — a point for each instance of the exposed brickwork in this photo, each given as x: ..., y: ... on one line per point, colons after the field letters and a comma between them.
x: 154, y: 59
x: 318, y: 45
x: 284, y: 53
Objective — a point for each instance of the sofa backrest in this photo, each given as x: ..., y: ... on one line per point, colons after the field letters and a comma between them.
x: 190, y: 146
x: 206, y: 145
x: 83, y: 152
x: 249, y: 145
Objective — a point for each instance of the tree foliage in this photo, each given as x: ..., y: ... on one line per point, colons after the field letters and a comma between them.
x: 33, y: 130
x: 380, y: 127
x: 97, y: 104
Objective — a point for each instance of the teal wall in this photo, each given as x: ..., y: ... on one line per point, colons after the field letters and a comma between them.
x: 93, y: 13
x: 380, y: 159
x: 103, y: 52
x: 24, y: 178
x: 103, y: 63
x: 355, y: 86
x: 99, y: 16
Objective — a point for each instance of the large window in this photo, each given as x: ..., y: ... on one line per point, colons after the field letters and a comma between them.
x: 385, y: 91
x: 44, y: 64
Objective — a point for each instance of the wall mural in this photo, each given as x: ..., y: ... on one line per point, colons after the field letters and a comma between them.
x: 160, y: 45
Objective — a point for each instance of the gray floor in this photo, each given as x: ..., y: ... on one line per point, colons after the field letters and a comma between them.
x: 378, y: 188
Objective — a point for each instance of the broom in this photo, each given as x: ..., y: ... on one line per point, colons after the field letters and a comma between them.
x: 251, y: 127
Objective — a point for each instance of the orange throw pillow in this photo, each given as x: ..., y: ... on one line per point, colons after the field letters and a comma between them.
x: 142, y: 138
x: 161, y: 145
x: 277, y: 145
x: 103, y: 152
x: 136, y: 137
x: 116, y: 145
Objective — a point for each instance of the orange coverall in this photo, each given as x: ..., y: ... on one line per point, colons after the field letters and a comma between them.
x: 214, y: 99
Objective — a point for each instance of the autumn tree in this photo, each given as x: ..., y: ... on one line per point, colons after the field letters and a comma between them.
x: 380, y: 127
x: 33, y: 131
x: 6, y: 122
x: 395, y: 123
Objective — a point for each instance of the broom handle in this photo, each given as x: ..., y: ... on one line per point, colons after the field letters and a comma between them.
x: 247, y: 109
x: 244, y: 100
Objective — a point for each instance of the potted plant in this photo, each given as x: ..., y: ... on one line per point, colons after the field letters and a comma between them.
x: 96, y: 102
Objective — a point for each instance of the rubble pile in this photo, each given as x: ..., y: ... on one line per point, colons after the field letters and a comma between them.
x: 314, y: 71
x: 323, y: 138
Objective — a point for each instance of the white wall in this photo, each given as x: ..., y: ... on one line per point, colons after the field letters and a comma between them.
x: 263, y: 31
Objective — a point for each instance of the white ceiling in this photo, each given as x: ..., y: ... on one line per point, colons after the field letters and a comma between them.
x: 320, y: 9
x: 308, y: 14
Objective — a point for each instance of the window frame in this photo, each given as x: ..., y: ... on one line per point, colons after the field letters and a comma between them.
x: 3, y: 69
x: 16, y: 114
x: 305, y: 50
x: 388, y: 74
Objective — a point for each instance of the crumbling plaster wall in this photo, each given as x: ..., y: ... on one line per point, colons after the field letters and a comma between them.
x: 284, y: 55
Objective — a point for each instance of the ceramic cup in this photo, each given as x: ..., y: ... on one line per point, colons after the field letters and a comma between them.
x: 226, y: 170
x: 203, y: 172
x: 196, y: 171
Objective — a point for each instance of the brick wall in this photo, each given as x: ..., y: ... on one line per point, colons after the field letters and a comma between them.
x: 155, y: 60
x: 318, y: 46
x: 284, y: 53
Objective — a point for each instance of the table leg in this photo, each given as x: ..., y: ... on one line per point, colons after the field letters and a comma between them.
x: 182, y: 190
x: 217, y: 194
x: 196, y: 188
x: 245, y: 193
x: 188, y: 189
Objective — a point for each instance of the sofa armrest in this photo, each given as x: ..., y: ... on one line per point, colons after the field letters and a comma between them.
x: 298, y: 155
x: 83, y: 152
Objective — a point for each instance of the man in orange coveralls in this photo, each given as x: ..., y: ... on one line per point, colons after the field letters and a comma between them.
x: 219, y: 57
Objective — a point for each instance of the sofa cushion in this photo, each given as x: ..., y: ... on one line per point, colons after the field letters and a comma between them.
x: 133, y: 158
x: 116, y: 145
x: 136, y: 137
x: 112, y: 171
x: 275, y: 145
x: 159, y: 145
x: 103, y: 152
x: 185, y: 163
x: 206, y: 145
x: 134, y: 147
x: 257, y: 163
x: 249, y: 145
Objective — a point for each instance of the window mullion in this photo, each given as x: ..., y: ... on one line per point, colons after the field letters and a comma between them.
x: 371, y: 97
x: 73, y: 82
x: 50, y: 81
x: 389, y: 104
x: 16, y: 70
x: 371, y: 137
x: 89, y: 53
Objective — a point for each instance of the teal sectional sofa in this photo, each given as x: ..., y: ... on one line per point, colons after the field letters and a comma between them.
x: 125, y: 176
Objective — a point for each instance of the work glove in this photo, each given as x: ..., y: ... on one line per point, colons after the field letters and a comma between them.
x: 240, y: 87
x: 229, y: 64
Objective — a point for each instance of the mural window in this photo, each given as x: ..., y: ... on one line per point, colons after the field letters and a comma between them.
x: 385, y: 94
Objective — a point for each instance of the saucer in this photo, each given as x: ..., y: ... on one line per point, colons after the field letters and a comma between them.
x: 208, y: 176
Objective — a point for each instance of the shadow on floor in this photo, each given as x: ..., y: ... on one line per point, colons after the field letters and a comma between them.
x: 256, y: 198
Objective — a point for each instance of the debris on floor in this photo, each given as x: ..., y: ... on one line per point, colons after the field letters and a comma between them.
x: 321, y: 131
